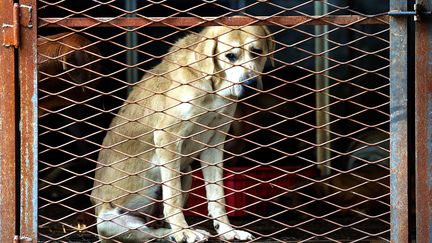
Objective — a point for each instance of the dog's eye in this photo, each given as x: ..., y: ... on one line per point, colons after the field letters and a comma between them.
x: 231, y: 57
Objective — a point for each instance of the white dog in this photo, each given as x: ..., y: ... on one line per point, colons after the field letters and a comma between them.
x: 181, y: 110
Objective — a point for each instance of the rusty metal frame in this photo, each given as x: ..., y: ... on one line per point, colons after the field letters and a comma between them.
x: 423, y: 124
x: 208, y: 21
x: 398, y: 124
x: 28, y: 127
x: 398, y: 103
x: 399, y: 163
x: 8, y: 128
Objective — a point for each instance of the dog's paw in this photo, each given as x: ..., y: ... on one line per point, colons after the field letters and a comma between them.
x: 230, y: 234
x: 190, y: 236
x: 237, y: 235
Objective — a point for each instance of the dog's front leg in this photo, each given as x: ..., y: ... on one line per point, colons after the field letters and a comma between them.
x: 169, y: 159
x: 211, y: 163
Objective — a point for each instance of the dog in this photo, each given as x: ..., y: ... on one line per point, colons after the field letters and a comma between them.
x: 67, y: 65
x: 180, y: 111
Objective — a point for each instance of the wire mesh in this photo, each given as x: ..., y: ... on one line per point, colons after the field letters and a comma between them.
x: 142, y: 109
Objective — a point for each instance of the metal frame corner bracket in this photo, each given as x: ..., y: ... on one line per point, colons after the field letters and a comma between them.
x: 22, y: 16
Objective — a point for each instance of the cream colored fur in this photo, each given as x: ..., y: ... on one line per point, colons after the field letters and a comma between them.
x: 181, y: 110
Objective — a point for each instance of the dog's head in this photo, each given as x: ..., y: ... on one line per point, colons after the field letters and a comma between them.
x: 234, y: 58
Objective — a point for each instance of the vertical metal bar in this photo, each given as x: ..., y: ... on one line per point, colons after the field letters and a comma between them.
x: 131, y: 42
x: 322, y: 115
x: 423, y: 121
x: 28, y: 126
x: 16, y: 25
x: 7, y: 134
x: 398, y: 124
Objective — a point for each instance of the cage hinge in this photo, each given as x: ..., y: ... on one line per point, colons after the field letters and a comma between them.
x: 418, y: 13
x: 21, y: 239
x: 21, y: 16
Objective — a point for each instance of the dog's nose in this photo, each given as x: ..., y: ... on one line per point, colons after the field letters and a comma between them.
x: 250, y: 81
x: 250, y: 84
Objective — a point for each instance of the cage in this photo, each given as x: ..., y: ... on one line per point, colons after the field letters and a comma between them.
x: 258, y: 121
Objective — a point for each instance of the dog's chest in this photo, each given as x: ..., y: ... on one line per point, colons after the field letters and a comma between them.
x: 209, y: 128
x: 218, y: 115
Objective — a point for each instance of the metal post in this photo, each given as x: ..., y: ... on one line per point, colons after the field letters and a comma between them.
x: 322, y: 115
x: 398, y: 124
x: 131, y: 42
x: 423, y: 121
x: 28, y: 125
x: 8, y: 134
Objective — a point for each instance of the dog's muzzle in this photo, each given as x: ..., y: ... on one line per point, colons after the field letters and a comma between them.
x: 250, y: 85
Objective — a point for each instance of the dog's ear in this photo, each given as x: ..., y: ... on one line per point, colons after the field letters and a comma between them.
x: 270, y: 44
x: 64, y: 53
x: 205, y: 52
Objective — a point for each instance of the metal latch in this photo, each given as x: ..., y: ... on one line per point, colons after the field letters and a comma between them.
x: 21, y: 16
x: 21, y: 239
x: 418, y: 13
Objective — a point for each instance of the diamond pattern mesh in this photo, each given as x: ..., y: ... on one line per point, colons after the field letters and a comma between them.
x: 305, y: 158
